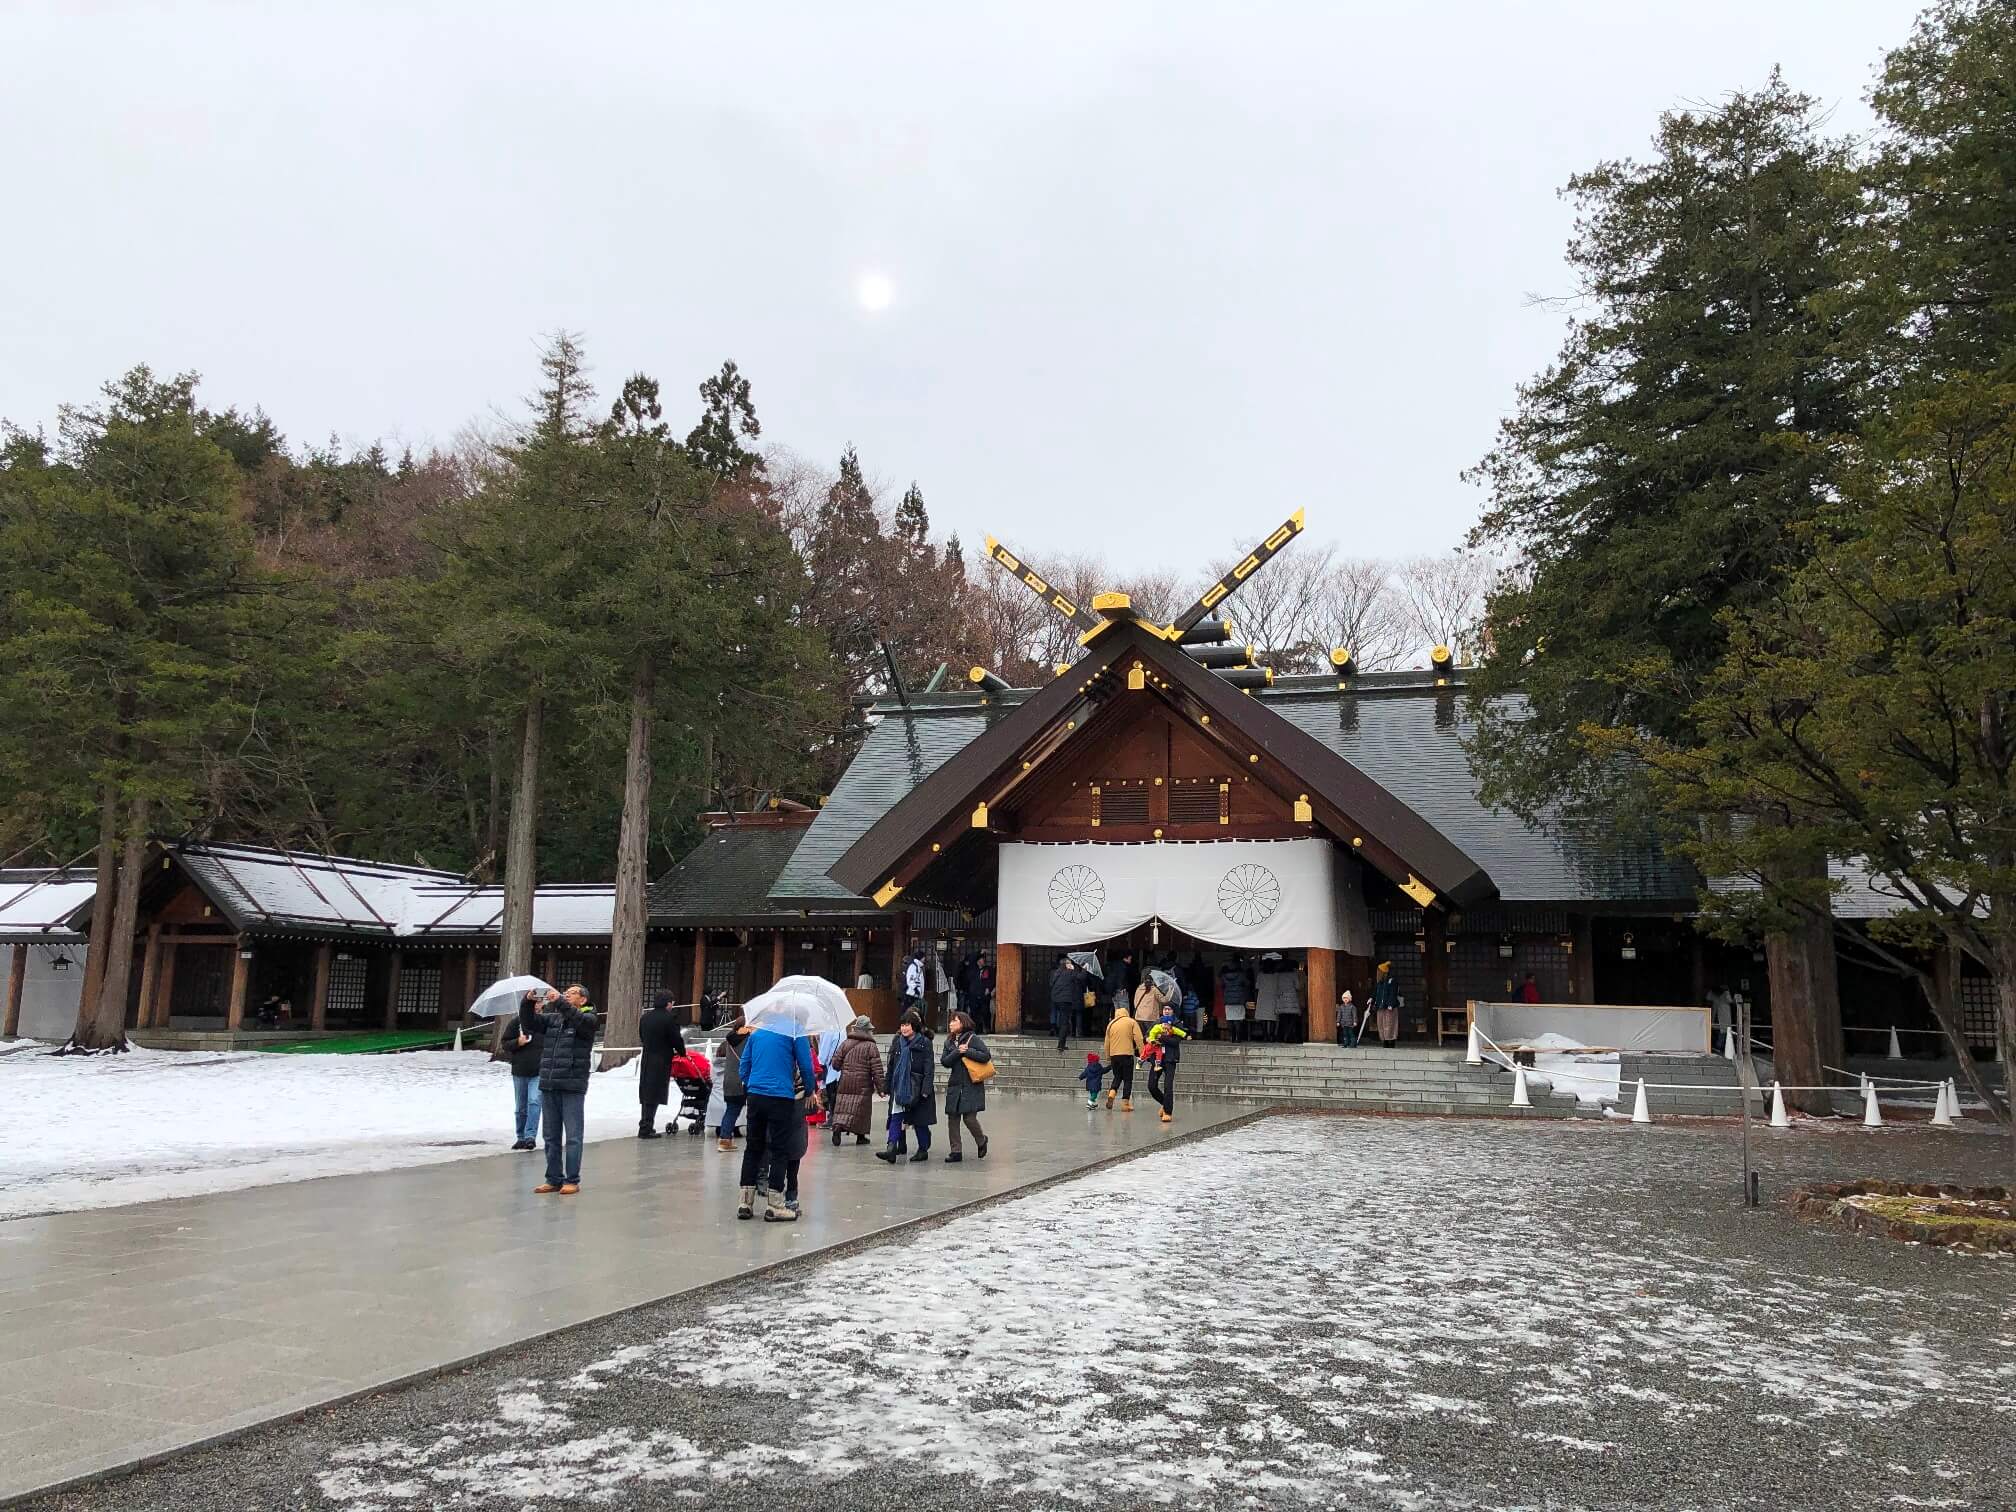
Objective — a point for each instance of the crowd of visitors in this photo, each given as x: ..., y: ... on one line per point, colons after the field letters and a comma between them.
x: 783, y: 1085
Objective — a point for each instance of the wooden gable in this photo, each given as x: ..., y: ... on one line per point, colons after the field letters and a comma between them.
x: 1150, y: 770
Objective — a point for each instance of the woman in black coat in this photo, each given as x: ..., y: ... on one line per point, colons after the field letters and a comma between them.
x: 965, y: 1099
x: 658, y: 1032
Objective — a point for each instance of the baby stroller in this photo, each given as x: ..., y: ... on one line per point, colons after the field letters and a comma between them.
x: 693, y: 1075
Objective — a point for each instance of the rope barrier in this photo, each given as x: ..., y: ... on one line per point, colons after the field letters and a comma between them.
x: 1506, y: 1063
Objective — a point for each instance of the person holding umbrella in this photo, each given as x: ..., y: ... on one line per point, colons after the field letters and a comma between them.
x: 1066, y: 990
x: 658, y: 1032
x: 525, y: 1043
x: 776, y: 1062
x: 514, y: 1003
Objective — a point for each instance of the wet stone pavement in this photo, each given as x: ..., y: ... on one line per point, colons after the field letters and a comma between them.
x: 1301, y: 1311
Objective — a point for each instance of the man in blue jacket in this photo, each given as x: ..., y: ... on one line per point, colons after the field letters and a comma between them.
x: 774, y: 1069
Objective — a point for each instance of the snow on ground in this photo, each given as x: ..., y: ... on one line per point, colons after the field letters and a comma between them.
x: 1372, y: 1313
x: 103, y: 1130
x: 1563, y: 1064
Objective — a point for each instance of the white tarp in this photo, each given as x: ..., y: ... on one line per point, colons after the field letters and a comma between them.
x: 1284, y: 894
x: 1675, y: 1030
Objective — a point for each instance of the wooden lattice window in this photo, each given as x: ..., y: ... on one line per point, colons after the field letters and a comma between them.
x: 1977, y: 1011
x: 420, y: 989
x: 721, y: 976
x: 1120, y: 805
x: 1196, y: 803
x: 655, y: 966
x: 349, y: 985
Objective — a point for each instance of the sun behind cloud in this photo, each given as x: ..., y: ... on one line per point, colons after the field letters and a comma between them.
x: 874, y: 291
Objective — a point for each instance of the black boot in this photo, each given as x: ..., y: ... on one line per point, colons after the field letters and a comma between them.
x: 890, y: 1154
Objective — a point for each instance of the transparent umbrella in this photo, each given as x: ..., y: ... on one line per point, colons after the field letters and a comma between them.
x: 500, y: 998
x: 1089, y: 959
x: 1165, y: 983
x: 803, y: 1007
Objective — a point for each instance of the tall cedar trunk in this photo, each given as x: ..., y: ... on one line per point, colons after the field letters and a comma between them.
x: 2003, y: 965
x: 106, y: 1029
x: 1941, y: 988
x: 626, y: 941
x: 494, y: 815
x: 1805, y: 1003
x: 101, y: 907
x: 521, y: 853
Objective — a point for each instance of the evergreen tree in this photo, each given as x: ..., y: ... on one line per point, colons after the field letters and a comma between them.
x: 130, y: 592
x: 727, y: 418
x: 1653, y: 476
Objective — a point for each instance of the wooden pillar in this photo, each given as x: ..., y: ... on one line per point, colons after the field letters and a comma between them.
x: 549, y: 964
x: 777, y: 958
x: 860, y: 960
x: 898, y: 951
x: 1007, y: 989
x: 699, y: 971
x: 1699, y: 962
x: 241, y: 984
x: 164, y: 991
x: 470, y: 962
x: 318, y: 1004
x: 392, y: 967
x: 1322, y: 995
x: 150, y: 969
x: 1582, y: 961
x: 17, y: 978
x: 1435, y: 968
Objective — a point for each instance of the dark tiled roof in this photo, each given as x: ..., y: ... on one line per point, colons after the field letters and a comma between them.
x: 901, y: 751
x: 727, y: 877
x: 1399, y: 738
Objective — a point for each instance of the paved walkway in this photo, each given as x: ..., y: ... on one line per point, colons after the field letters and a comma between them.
x: 130, y: 1333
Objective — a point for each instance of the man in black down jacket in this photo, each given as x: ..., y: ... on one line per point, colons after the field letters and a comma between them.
x: 524, y: 1042
x: 563, y: 1085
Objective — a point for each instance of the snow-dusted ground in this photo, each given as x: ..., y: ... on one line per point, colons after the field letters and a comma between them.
x: 1307, y: 1311
x: 103, y: 1130
x: 1588, y: 1076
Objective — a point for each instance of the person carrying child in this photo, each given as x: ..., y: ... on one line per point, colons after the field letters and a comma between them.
x: 1165, y: 1049
x: 1092, y: 1076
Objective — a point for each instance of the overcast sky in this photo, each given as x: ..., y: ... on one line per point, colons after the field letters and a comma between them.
x: 1157, y: 275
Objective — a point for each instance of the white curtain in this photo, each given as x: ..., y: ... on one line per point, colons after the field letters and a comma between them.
x: 1257, y: 894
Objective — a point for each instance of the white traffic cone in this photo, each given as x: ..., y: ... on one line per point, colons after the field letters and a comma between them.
x: 1728, y: 1044
x: 1896, y: 1050
x: 1519, y: 1097
x: 1952, y: 1101
x: 1867, y: 1086
x: 458, y: 1038
x: 1942, y: 1115
x: 1639, y: 1112
x: 1778, y: 1118
x: 1872, y: 1116
x: 1474, y: 1056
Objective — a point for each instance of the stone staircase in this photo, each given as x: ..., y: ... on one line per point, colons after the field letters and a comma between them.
x: 1406, y: 1079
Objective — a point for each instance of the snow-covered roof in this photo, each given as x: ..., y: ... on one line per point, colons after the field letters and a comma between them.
x: 263, y: 888
x: 559, y: 910
x: 36, y: 903
x: 1858, y: 892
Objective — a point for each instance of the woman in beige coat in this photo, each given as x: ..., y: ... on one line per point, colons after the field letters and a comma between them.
x: 1124, y: 1042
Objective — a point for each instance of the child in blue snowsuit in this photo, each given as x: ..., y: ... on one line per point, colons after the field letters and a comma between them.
x: 1093, y: 1074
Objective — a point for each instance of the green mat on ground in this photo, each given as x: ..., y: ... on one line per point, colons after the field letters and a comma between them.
x: 363, y: 1044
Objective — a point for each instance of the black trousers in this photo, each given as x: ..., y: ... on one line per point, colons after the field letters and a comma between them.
x: 773, y: 1144
x: 1123, y: 1075
x: 647, y: 1115
x: 1061, y: 1022
x: 1162, y: 1086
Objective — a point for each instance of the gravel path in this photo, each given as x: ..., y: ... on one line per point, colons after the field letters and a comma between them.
x: 1308, y: 1311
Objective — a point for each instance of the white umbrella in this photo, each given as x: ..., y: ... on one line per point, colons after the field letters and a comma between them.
x: 500, y: 998
x: 1165, y: 983
x: 1089, y: 959
x: 803, y: 1007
